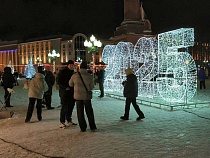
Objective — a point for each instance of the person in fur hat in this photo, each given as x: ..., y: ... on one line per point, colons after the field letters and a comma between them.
x: 131, y: 92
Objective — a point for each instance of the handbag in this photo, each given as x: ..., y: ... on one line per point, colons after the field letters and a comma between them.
x: 89, y: 93
x: 4, y: 113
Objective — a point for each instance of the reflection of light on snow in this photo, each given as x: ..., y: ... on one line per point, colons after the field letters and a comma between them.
x: 161, y: 70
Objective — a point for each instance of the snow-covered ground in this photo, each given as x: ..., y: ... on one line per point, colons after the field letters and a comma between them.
x: 184, y: 133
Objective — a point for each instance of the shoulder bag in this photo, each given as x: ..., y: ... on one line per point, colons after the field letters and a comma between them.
x: 89, y: 93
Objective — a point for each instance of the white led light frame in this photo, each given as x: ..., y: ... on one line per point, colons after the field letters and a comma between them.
x: 177, y: 81
x: 161, y: 70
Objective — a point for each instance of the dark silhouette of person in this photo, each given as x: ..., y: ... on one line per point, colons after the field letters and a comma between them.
x: 50, y: 79
x: 131, y: 92
x: 8, y: 82
x: 16, y: 75
x: 100, y: 73
x: 66, y: 94
x: 202, y: 78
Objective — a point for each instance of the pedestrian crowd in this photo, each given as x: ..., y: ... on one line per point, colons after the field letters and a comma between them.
x: 75, y: 88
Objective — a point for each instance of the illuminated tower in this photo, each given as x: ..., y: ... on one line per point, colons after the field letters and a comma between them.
x: 134, y: 25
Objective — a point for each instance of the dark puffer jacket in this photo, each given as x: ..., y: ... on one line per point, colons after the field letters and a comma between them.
x: 50, y: 79
x: 63, y: 78
x: 131, y: 86
x: 8, y: 78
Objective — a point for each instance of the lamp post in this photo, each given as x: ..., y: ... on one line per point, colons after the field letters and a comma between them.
x: 93, y: 46
x: 53, y: 56
x: 39, y: 61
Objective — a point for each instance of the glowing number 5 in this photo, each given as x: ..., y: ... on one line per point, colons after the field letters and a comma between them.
x: 177, y: 79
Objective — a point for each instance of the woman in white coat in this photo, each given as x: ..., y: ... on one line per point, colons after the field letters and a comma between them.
x: 37, y: 87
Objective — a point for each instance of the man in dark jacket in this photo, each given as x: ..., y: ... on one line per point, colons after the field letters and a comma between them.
x: 8, y: 82
x: 202, y: 78
x: 100, y: 75
x: 50, y: 79
x: 131, y: 92
x: 66, y: 94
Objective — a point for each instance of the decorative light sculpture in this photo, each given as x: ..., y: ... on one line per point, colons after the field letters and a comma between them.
x: 161, y: 70
x: 120, y: 60
x: 30, y: 70
x: 53, y: 56
x: 108, y: 57
x: 177, y: 81
x: 145, y: 65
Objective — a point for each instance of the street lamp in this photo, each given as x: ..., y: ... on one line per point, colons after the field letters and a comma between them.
x: 53, y: 56
x: 93, y: 46
x: 78, y: 61
x: 39, y: 61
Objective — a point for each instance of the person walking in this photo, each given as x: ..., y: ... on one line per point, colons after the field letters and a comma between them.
x: 131, y: 92
x: 50, y: 79
x: 100, y: 73
x: 8, y: 82
x: 37, y: 87
x: 16, y: 75
x: 66, y: 94
x: 83, y: 84
x: 202, y: 78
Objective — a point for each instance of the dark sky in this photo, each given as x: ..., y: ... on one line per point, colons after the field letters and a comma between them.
x: 33, y: 18
x: 166, y: 15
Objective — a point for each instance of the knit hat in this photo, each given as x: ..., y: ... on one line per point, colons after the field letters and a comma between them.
x: 70, y: 62
x: 47, y: 68
x: 129, y: 71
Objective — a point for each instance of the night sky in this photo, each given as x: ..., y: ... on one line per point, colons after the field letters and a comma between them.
x: 23, y: 19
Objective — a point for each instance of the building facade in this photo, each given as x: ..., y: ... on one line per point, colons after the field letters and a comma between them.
x: 37, y: 50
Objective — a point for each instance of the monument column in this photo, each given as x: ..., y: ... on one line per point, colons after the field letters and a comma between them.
x: 131, y: 10
x: 134, y: 25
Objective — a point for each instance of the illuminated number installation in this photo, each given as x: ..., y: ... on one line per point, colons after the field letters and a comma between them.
x: 119, y: 57
x: 146, y: 66
x: 161, y: 70
x: 177, y: 81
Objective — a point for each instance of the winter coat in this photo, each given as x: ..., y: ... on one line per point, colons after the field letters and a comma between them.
x: 131, y: 86
x: 100, y: 75
x: 63, y: 78
x: 202, y: 75
x: 7, y: 78
x: 80, y: 92
x: 50, y: 79
x: 37, y: 86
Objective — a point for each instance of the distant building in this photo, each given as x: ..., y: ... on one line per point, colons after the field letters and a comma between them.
x: 37, y: 50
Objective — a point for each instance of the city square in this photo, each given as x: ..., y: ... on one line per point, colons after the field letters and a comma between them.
x: 163, y: 45
x: 162, y: 134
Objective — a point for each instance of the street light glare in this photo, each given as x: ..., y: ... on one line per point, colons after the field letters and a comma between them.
x: 92, y: 38
x: 86, y: 43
